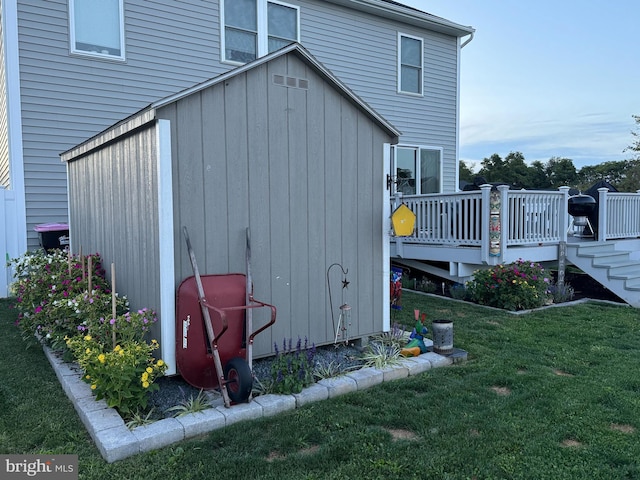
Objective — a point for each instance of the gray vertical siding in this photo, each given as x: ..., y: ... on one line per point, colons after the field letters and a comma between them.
x: 172, y: 45
x: 299, y: 168
x: 114, y: 212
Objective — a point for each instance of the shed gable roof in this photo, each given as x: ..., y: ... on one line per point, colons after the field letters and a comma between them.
x: 148, y: 114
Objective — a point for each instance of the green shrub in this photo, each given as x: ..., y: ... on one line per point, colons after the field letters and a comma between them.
x: 517, y: 286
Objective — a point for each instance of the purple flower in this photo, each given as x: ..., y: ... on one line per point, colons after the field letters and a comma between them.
x: 112, y: 321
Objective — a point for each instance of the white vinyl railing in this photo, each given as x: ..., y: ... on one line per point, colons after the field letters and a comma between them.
x: 618, y: 214
x: 524, y: 218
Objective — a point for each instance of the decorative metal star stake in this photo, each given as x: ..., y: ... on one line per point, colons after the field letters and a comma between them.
x: 345, y: 283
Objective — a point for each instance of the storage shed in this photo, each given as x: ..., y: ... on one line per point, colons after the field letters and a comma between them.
x: 278, y: 145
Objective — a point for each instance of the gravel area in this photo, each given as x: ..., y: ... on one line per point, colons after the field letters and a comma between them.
x: 174, y: 390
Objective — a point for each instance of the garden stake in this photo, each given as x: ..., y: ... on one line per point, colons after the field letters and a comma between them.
x: 89, y: 270
x: 113, y: 303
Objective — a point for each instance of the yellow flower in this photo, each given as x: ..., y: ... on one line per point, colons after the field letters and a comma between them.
x: 88, y: 377
x: 101, y: 358
x: 117, y: 348
x: 149, y: 370
x: 160, y: 363
x: 154, y: 342
x: 145, y: 384
x: 87, y: 338
x: 144, y: 377
x: 87, y: 351
x: 93, y: 386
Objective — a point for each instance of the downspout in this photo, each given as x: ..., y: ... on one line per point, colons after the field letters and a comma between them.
x: 467, y: 41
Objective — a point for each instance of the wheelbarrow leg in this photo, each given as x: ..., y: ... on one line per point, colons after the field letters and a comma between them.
x: 207, y: 322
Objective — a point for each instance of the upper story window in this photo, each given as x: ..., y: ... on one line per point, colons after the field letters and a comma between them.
x: 97, y: 28
x: 253, y: 28
x: 410, y: 68
x: 418, y: 170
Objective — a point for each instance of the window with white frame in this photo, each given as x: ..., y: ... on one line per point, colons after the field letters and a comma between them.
x: 410, y: 68
x: 96, y: 28
x: 253, y: 28
x: 418, y: 170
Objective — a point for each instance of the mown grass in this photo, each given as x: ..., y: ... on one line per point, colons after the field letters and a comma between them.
x: 550, y: 394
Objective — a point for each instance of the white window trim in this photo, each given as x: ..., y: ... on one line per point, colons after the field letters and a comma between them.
x: 399, y: 66
x: 72, y: 36
x: 262, y: 27
x: 394, y: 156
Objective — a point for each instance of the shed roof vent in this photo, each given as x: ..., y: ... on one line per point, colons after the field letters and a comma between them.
x: 291, y: 82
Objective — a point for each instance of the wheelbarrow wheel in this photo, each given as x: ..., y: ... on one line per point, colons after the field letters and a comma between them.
x: 239, y: 379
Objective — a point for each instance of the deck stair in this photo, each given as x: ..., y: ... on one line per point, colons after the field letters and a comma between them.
x: 614, y: 269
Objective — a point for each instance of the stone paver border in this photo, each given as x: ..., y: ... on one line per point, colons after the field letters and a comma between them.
x: 116, y: 442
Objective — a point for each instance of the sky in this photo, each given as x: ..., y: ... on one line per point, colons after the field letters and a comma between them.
x: 548, y: 78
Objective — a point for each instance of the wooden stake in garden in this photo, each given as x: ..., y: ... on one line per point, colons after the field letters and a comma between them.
x: 89, y: 272
x: 113, y: 303
x: 69, y: 261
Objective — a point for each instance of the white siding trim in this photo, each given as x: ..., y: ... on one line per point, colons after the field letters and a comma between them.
x: 14, y: 121
x: 166, y: 246
x: 386, y: 228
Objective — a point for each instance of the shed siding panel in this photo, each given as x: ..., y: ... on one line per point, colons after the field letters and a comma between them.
x: 294, y: 165
x: 114, y: 213
x: 4, y: 128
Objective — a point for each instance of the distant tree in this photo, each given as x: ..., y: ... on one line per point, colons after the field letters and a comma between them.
x: 560, y: 172
x: 538, y: 179
x: 492, y: 168
x: 635, y: 146
x: 465, y: 172
x: 512, y: 170
x: 611, y: 172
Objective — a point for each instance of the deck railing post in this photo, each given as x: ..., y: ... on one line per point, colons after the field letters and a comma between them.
x: 563, y: 214
x: 504, y: 220
x: 485, y: 222
x: 602, y: 214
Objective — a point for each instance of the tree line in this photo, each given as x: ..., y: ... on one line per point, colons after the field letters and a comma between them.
x: 624, y: 175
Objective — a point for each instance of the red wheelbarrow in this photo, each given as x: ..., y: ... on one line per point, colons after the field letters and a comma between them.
x: 214, y: 337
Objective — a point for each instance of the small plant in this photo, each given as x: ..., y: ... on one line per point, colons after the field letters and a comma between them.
x: 139, y: 419
x: 458, y: 292
x: 191, y: 405
x: 394, y: 337
x: 292, y: 369
x: 562, y: 294
x: 425, y: 285
x: 517, y: 286
x: 379, y: 355
x: 124, y: 376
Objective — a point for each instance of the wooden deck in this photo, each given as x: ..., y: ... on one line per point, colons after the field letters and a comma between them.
x: 471, y: 230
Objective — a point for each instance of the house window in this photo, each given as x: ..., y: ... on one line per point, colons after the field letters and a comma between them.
x: 410, y: 64
x: 97, y: 28
x: 418, y: 170
x: 253, y: 28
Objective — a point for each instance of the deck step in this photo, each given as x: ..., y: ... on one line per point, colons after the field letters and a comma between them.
x: 625, y: 271
x: 633, y: 285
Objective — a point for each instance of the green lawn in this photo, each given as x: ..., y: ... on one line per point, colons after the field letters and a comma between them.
x: 553, y: 394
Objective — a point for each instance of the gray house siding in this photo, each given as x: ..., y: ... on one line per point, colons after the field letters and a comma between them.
x: 172, y: 45
x: 302, y: 167
x: 61, y: 93
x: 361, y: 49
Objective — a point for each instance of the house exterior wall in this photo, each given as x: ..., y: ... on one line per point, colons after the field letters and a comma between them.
x: 303, y: 168
x: 172, y: 45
